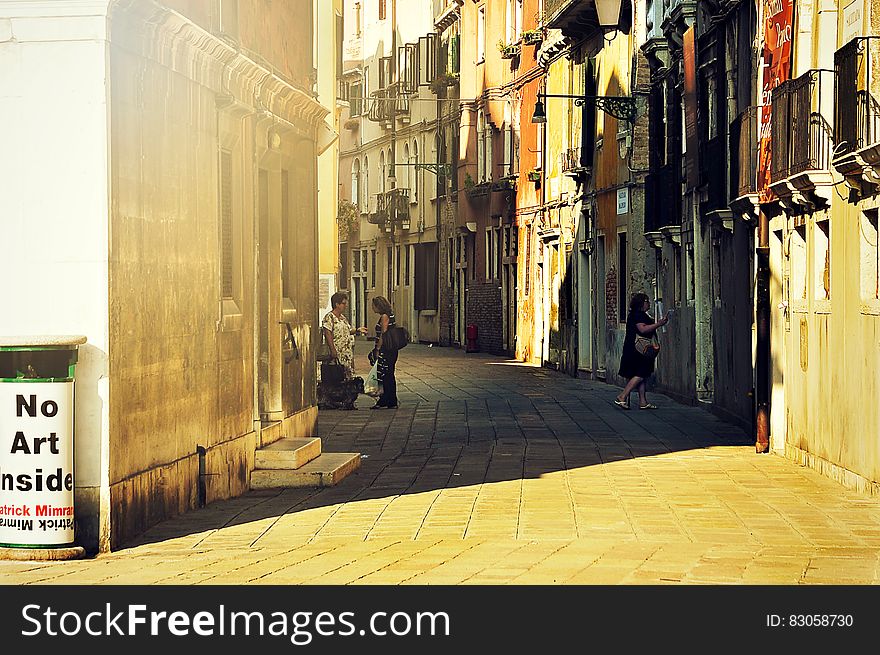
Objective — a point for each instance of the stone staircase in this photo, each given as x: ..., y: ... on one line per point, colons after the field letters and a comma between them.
x: 300, y: 463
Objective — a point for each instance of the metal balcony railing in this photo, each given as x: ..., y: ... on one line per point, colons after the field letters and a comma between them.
x: 744, y: 153
x: 343, y: 91
x: 391, y: 209
x: 387, y: 103
x: 856, y: 90
x: 571, y: 162
x: 801, y: 135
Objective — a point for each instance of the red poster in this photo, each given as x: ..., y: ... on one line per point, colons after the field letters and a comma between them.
x: 777, y: 69
x: 692, y: 137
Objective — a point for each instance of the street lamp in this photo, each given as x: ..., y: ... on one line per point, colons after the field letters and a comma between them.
x: 609, y: 13
x: 621, y: 107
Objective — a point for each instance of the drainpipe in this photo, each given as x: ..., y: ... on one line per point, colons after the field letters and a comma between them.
x: 762, y: 323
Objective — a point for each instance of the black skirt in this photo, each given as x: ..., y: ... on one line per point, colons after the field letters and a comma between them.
x: 632, y: 363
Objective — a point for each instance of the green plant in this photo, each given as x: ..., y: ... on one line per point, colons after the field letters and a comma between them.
x: 501, y: 45
x: 468, y: 181
x: 347, y: 219
x: 534, y: 176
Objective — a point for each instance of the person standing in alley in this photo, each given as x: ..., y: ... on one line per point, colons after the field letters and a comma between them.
x: 637, y: 358
x: 387, y: 357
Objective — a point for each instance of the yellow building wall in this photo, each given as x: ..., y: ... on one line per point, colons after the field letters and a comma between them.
x: 187, y: 369
x: 827, y: 352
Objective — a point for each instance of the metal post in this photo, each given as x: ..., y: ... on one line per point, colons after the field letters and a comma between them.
x: 762, y: 350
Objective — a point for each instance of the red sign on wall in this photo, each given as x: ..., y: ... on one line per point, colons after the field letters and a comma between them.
x: 692, y: 137
x: 777, y: 69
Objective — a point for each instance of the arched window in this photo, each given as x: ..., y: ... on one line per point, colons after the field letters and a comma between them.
x: 507, y: 154
x: 382, y: 172
x: 490, y: 160
x: 355, y: 183
x: 417, y: 173
x: 481, y: 147
x: 365, y: 187
x: 409, y: 169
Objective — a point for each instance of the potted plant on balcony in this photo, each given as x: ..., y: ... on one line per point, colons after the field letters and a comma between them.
x: 532, y: 37
x: 443, y: 81
x: 508, y: 51
x: 534, y: 175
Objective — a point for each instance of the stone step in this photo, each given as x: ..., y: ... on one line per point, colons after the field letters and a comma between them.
x: 288, y: 453
x: 324, y: 471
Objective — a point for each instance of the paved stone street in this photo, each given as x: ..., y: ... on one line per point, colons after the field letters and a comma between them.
x: 497, y: 472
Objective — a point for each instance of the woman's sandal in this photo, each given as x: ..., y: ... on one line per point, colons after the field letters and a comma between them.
x: 621, y: 403
x: 648, y: 406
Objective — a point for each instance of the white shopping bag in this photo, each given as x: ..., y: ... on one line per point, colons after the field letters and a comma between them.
x: 372, y: 386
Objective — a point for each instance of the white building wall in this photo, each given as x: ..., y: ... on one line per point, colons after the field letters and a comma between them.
x: 54, y: 212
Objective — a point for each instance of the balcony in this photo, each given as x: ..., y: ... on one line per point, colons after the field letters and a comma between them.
x: 391, y: 210
x: 857, y: 115
x: 575, y: 18
x: 801, y: 141
x: 510, y: 51
x: 744, y: 163
x: 571, y: 164
x: 386, y: 104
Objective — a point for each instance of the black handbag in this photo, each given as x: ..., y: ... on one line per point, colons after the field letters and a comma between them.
x: 395, y: 338
x: 332, y: 372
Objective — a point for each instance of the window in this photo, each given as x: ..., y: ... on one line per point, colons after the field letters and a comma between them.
x: 381, y: 9
x: 409, y: 168
x: 488, y: 134
x: 355, y: 184
x: 365, y: 186
x: 797, y: 252
x: 286, y: 237
x: 382, y: 176
x: 229, y: 18
x: 414, y: 189
x: 481, y: 34
x: 373, y: 268
x: 355, y: 99
x: 358, y: 19
x: 622, y: 274
x: 488, y: 253
x: 227, y: 256
x: 514, y: 20
x: 426, y: 294
x: 507, y: 156
x: 406, y: 274
x: 450, y: 260
x: 397, y: 266
x: 870, y: 282
x: 822, y: 261
x: 691, y: 273
x: 528, y: 247
x: 389, y: 272
x: 481, y: 147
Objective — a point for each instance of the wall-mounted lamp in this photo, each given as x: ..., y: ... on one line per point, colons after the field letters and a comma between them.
x: 608, y: 12
x: 621, y: 107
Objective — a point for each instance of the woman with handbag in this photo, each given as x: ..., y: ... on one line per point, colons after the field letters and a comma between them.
x: 640, y: 348
x: 386, y: 357
x: 339, y: 335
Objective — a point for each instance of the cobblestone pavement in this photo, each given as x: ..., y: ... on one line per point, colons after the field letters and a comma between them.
x: 497, y: 472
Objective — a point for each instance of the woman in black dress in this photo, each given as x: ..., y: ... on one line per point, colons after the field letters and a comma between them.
x: 387, y: 358
x: 634, y: 366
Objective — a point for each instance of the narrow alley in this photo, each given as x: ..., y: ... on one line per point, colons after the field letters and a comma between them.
x: 494, y: 471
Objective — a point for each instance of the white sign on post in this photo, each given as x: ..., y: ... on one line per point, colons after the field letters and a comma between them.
x: 36, y: 464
